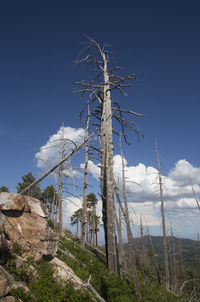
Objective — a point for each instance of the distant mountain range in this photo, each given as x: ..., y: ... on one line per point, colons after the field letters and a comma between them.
x: 190, y: 249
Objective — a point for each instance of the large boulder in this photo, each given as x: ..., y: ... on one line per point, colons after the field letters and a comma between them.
x: 64, y: 273
x: 25, y: 223
x: 17, y: 202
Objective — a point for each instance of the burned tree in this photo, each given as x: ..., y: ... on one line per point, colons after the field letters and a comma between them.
x: 166, y: 262
x: 84, y: 205
x: 104, y: 110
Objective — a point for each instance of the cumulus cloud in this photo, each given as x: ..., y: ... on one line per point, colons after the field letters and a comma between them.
x: 92, y: 168
x: 49, y: 154
x: 184, y: 173
x: 143, y: 191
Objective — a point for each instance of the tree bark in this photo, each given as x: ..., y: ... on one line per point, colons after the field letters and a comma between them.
x: 167, y: 278
x: 60, y: 182
x: 84, y: 206
x: 121, y: 252
x: 93, y: 225
x: 131, y: 245
x: 107, y: 180
x: 174, y: 266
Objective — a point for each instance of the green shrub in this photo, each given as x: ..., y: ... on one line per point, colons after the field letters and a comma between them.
x: 50, y: 223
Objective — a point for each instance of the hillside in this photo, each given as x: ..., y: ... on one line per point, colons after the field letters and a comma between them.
x: 38, y: 265
x: 190, y: 249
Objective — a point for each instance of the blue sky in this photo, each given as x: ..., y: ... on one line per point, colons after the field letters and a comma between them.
x: 157, y: 40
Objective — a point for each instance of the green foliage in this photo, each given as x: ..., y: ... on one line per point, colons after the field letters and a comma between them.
x: 91, y: 200
x: 50, y: 223
x: 16, y: 248
x: 111, y: 287
x: 4, y: 189
x: 27, y: 180
x: 76, y: 217
x: 19, y: 293
x: 48, y: 195
x: 92, y: 263
x: 46, y: 288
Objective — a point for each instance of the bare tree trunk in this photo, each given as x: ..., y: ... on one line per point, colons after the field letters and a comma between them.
x: 93, y: 225
x: 119, y: 231
x: 54, y: 199
x: 57, y: 210
x: 181, y: 262
x: 143, y: 250
x: 154, y: 258
x: 96, y: 236
x: 87, y: 227
x: 132, y: 249
x: 107, y: 180
x: 67, y: 157
x: 84, y: 206
x: 99, y: 90
x: 60, y: 182
x: 195, y: 197
x: 167, y: 280
x: 131, y: 245
x: 121, y: 252
x: 174, y: 266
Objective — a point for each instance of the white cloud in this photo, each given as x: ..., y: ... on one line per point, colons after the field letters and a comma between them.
x: 92, y: 168
x: 143, y: 192
x: 49, y: 154
x: 184, y: 172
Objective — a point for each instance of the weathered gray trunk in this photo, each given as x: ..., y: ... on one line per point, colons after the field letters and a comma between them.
x: 119, y: 231
x: 84, y: 206
x: 181, y: 261
x: 131, y: 245
x: 174, y: 266
x: 87, y: 227
x: 60, y: 182
x: 121, y: 252
x: 54, y: 199
x: 107, y: 180
x: 167, y: 280
x: 155, y: 265
x: 143, y: 250
x: 93, y: 225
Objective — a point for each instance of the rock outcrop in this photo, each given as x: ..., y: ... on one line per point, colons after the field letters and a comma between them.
x: 24, y: 221
x: 63, y: 272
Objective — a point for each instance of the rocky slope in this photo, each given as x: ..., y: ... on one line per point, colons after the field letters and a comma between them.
x: 36, y: 265
x: 23, y: 224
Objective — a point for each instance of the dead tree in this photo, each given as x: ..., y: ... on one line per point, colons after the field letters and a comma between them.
x: 174, y: 266
x: 131, y: 244
x: 99, y: 90
x: 121, y: 251
x: 60, y: 176
x: 84, y: 206
x: 119, y: 231
x: 132, y: 249
x: 155, y: 264
x: 182, y: 268
x: 67, y: 157
x: 143, y: 250
x: 167, y: 280
x: 54, y: 198
x: 195, y: 196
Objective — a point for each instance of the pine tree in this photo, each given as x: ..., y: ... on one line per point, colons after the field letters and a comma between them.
x: 27, y: 180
